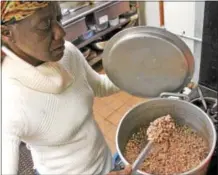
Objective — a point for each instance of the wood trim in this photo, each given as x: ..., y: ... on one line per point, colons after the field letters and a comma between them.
x: 161, y: 12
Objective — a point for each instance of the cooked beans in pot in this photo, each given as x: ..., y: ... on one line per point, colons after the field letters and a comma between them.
x: 182, y: 151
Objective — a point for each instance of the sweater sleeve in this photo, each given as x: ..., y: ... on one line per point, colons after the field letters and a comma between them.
x: 101, y: 84
x: 13, y: 128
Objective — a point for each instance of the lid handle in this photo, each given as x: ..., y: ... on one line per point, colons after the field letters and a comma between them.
x: 180, y: 96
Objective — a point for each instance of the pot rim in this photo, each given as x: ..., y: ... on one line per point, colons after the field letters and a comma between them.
x: 203, y: 162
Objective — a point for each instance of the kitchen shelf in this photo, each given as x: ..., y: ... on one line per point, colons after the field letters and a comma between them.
x: 73, y: 16
x: 99, y: 34
x: 95, y: 60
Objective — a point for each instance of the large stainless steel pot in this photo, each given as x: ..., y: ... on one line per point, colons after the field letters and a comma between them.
x: 183, y: 112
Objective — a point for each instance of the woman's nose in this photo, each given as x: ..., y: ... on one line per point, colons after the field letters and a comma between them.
x: 58, y: 31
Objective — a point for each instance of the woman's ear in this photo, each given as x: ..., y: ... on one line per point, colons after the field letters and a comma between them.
x: 6, y: 34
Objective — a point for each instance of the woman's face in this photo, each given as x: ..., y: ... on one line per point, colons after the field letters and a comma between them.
x: 41, y: 35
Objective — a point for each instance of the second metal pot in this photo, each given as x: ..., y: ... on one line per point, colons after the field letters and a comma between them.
x: 182, y: 111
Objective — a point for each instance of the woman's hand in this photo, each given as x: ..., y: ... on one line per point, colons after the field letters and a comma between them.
x: 126, y: 171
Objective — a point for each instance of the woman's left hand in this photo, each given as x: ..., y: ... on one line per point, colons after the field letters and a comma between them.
x: 126, y: 171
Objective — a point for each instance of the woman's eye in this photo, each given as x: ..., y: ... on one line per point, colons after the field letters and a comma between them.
x: 44, y: 25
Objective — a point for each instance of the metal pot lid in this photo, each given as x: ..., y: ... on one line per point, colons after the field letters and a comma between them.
x: 146, y: 61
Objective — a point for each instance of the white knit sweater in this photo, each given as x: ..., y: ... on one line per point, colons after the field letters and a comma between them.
x: 49, y: 107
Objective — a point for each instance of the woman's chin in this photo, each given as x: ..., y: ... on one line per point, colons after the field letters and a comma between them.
x: 57, y: 57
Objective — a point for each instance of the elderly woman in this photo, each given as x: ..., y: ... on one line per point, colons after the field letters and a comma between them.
x: 48, y: 92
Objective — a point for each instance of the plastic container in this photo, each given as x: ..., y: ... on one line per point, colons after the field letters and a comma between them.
x: 114, y: 22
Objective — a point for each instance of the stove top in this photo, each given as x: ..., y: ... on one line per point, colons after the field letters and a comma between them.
x: 210, y: 100
x: 206, y: 92
x: 208, y: 104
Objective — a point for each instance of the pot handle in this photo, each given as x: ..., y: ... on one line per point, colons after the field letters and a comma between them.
x: 180, y: 96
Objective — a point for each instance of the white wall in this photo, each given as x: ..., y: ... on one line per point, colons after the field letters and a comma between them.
x: 181, y: 18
